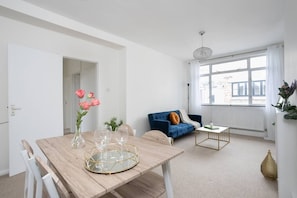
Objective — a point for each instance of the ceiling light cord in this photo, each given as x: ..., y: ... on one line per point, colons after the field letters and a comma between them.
x: 201, y: 34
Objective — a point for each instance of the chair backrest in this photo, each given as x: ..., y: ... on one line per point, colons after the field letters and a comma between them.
x: 158, y: 136
x: 50, y: 186
x: 53, y: 184
x: 27, y: 147
x: 27, y: 153
x: 130, y: 130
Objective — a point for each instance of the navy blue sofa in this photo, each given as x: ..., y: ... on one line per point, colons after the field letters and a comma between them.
x: 160, y: 121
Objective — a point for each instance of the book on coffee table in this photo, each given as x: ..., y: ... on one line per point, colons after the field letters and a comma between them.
x: 211, y: 127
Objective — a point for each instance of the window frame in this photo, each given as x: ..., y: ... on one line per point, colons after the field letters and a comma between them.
x: 249, y: 69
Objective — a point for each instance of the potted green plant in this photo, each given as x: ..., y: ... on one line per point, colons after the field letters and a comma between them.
x: 285, y: 91
x: 112, y: 124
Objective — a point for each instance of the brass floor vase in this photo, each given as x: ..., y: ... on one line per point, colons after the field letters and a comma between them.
x: 269, y: 167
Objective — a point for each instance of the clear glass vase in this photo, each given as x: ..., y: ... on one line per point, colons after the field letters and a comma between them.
x: 77, y: 141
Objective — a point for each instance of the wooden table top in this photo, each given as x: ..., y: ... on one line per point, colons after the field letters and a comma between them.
x: 70, y: 163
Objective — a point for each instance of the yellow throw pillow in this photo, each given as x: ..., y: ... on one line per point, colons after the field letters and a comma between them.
x: 174, y: 118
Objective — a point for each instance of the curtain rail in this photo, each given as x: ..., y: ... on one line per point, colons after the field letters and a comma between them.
x: 246, y: 53
x: 230, y: 55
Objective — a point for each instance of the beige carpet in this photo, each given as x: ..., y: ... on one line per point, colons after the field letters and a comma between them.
x: 233, y: 172
x: 12, y: 187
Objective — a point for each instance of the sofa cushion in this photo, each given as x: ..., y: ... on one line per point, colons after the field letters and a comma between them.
x: 174, y: 118
x: 180, y: 129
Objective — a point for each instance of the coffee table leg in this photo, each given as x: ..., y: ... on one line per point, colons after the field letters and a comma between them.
x: 195, y: 138
x: 218, y: 141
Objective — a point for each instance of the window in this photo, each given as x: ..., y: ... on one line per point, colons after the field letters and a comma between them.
x: 259, y: 88
x: 239, y: 89
x: 234, y: 82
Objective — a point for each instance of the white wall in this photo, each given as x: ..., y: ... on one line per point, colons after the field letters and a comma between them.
x: 241, y: 120
x: 286, y: 136
x: 291, y: 44
x: 155, y: 83
x: 286, y: 133
x: 132, y: 80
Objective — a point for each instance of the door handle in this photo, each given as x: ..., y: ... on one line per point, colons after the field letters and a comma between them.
x: 13, y: 109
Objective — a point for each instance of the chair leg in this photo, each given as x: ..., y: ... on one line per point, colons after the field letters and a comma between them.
x: 30, y: 185
x: 29, y: 180
x: 37, y: 176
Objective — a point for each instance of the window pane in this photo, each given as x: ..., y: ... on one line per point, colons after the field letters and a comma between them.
x: 259, y: 87
x: 243, y: 91
x: 204, y: 69
x: 259, y: 61
x: 204, y: 89
x: 235, y: 89
x: 222, y: 88
x: 234, y: 65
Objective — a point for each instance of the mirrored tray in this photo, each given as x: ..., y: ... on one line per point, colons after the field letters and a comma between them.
x: 112, y: 159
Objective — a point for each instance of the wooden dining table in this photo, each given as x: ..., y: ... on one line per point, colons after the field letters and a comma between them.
x: 69, y: 163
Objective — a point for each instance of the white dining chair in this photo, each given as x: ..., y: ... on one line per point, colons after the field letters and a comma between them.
x: 158, y: 136
x: 36, y: 183
x: 26, y: 153
x: 37, y: 176
x: 151, y: 184
x: 130, y: 129
x: 54, y: 185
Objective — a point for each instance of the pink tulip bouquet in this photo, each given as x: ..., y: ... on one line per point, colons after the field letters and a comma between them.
x: 85, y: 105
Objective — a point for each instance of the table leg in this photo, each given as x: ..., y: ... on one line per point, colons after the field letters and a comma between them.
x: 195, y: 138
x: 218, y: 141
x: 196, y: 133
x: 167, y: 179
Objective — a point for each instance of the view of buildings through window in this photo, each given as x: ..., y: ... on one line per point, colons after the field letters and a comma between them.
x: 237, y: 82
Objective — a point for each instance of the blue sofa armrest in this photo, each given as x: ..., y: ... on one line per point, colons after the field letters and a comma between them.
x: 162, y: 125
x: 197, y: 118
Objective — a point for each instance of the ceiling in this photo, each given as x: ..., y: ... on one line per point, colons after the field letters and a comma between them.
x: 172, y: 26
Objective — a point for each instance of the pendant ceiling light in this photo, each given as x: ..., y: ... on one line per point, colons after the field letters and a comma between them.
x: 202, y: 53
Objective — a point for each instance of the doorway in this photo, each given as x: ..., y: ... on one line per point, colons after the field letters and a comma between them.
x: 78, y: 74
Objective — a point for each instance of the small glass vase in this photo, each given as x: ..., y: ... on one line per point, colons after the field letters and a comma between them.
x: 77, y: 141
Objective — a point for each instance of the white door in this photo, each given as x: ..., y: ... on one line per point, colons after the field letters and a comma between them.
x: 34, y: 98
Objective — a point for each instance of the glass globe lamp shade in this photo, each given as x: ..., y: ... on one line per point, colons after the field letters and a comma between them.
x: 202, y: 53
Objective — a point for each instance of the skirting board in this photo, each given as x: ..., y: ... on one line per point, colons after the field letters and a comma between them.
x: 247, y: 132
x: 4, y: 172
